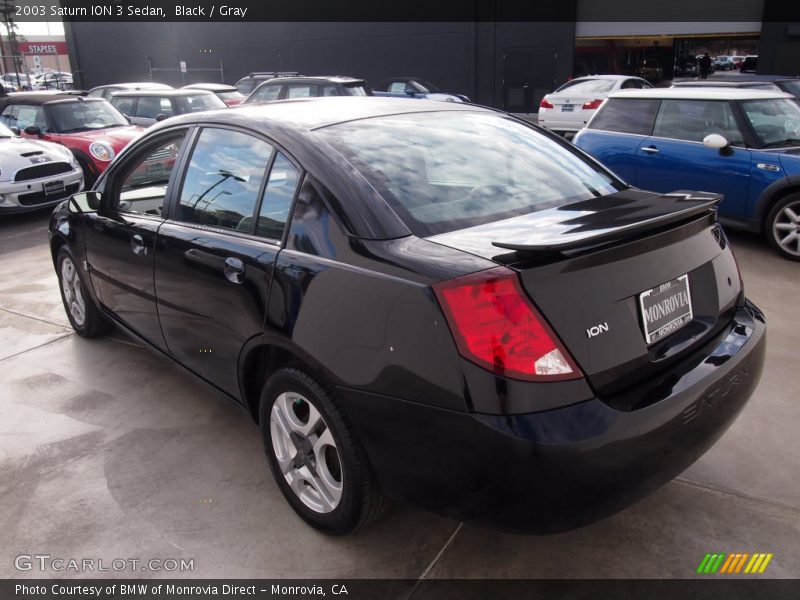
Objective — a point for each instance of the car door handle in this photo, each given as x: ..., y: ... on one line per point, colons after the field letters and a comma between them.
x: 137, y: 245
x: 234, y: 270
x: 650, y: 149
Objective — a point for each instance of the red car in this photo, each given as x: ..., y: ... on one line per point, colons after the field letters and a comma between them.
x: 94, y: 130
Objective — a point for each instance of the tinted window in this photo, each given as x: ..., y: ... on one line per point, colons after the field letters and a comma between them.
x: 223, y: 179
x: 626, y: 115
x: 588, y: 86
x: 693, y: 120
x: 149, y: 107
x: 444, y: 171
x: 123, y: 105
x: 329, y: 90
x: 354, y: 89
x: 277, y: 200
x: 198, y: 103
x: 246, y: 85
x: 74, y: 116
x: 792, y: 87
x: 144, y: 185
x: 266, y: 93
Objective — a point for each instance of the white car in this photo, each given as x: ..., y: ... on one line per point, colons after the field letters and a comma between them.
x: 570, y: 107
x: 35, y: 174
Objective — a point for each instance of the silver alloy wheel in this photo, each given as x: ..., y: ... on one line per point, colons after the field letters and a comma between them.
x: 73, y: 297
x: 786, y: 228
x: 306, y: 452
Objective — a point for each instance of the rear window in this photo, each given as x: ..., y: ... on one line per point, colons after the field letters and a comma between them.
x: 588, y: 86
x: 792, y: 87
x: 199, y: 103
x: 444, y: 171
x: 626, y: 115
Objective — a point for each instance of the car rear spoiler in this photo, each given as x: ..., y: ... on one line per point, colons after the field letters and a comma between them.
x: 606, y: 219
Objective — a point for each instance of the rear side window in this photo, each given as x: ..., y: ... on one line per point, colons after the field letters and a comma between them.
x: 627, y: 115
x: 221, y: 185
x: 443, y: 171
x: 277, y: 200
x: 301, y: 91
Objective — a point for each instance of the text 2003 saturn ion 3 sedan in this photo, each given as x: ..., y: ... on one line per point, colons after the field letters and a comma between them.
x: 431, y: 301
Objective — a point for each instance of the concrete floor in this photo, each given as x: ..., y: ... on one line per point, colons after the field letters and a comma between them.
x: 108, y: 452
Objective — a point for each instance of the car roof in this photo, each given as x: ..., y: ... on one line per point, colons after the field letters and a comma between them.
x: 701, y: 93
x: 615, y: 77
x: 160, y: 93
x: 304, y: 114
x: 313, y: 78
x: 144, y: 85
x: 46, y: 96
x: 215, y: 87
x: 725, y: 84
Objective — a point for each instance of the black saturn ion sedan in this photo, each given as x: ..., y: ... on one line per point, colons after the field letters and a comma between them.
x: 431, y: 302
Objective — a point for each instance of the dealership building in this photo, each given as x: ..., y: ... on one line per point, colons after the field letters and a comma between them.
x: 506, y: 64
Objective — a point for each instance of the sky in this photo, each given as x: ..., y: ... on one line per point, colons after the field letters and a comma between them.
x: 30, y: 28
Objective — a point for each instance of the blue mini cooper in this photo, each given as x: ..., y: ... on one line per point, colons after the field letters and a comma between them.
x: 744, y: 144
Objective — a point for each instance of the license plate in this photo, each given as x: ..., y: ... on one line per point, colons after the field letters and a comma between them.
x: 567, y: 107
x: 53, y: 187
x: 665, y: 308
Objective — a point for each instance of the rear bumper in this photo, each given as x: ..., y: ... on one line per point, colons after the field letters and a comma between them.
x: 555, y: 120
x: 560, y: 469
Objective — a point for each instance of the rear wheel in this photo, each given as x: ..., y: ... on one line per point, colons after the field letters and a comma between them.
x: 783, y: 227
x: 82, y: 313
x: 315, y: 457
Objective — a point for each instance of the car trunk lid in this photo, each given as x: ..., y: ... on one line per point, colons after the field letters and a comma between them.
x: 586, y: 265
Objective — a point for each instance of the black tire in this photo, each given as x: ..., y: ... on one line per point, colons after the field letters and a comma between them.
x: 778, y: 226
x: 361, y: 501
x: 92, y: 324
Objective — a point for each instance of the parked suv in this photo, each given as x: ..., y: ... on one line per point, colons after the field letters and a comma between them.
x: 90, y: 127
x: 146, y: 107
x: 286, y: 88
x: 742, y: 143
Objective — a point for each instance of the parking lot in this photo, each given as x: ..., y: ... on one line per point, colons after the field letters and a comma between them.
x: 109, y: 452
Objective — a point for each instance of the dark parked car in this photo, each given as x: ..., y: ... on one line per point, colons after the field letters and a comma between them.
x: 146, y: 107
x: 749, y: 64
x: 428, y: 300
x: 247, y: 84
x: 288, y: 88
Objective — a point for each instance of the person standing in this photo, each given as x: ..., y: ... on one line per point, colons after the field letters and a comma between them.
x: 705, y: 66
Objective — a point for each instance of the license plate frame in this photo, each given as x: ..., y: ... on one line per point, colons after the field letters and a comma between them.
x: 665, y: 309
x: 51, y: 188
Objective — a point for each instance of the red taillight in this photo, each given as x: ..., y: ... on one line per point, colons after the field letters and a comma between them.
x: 497, y: 327
x: 591, y: 105
x: 545, y: 104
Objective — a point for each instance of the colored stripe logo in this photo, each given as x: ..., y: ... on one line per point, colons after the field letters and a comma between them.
x: 734, y: 564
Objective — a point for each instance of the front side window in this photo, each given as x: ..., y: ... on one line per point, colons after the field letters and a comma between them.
x: 776, y: 121
x: 397, y: 87
x: 443, y: 171
x: 626, y: 115
x: 198, y: 103
x: 693, y: 120
x: 82, y: 115
x: 123, y: 105
x: 221, y: 185
x: 28, y: 115
x: 149, y: 107
x: 300, y: 91
x: 266, y: 93
x: 144, y: 184
x: 9, y: 115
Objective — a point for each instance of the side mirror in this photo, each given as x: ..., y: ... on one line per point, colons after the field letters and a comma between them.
x: 84, y: 202
x: 715, y: 141
x: 160, y: 117
x: 15, y: 130
x: 33, y: 130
